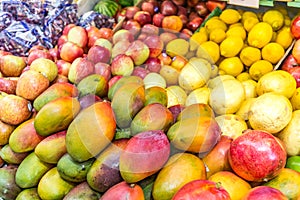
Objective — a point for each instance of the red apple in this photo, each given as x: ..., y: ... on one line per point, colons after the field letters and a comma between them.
x: 140, y: 72
x: 122, y: 65
x: 175, y: 110
x: 142, y: 36
x: 182, y: 11
x: 212, y: 4
x: 179, y: 2
x: 148, y: 7
x: 138, y: 51
x: 60, y: 79
x: 63, y: 67
x: 295, y: 72
x: 80, y: 68
x: 155, y: 44
x: 157, y: 19
x: 165, y: 58
x: 119, y: 48
x: 106, y: 33
x: 38, y: 54
x: 153, y: 64
x: 67, y: 29
x: 130, y: 11
x: 143, y: 17
x: 98, y: 54
x: 113, y: 80
x: 103, y: 69
x: 122, y: 34
x: 264, y: 193
x: 257, y: 156
x: 78, y: 35
x: 133, y: 26
x: 194, y: 24
x: 192, y: 3
x: 178, y: 62
x: 93, y: 31
x: 150, y: 29
x: 61, y: 40
x: 88, y: 100
x: 8, y: 85
x: 201, y: 189
x: 54, y: 53
x: 289, y: 63
x: 69, y: 51
x: 167, y: 8
x: 295, y: 27
x: 167, y: 37
x: 296, y: 51
x: 201, y: 9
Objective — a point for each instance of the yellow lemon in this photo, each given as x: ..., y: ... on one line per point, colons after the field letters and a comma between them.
x: 209, y: 50
x: 243, y: 111
x: 249, y: 55
x: 274, y: 36
x: 198, y: 38
x: 272, y: 52
x: 248, y: 14
x: 250, y: 88
x: 235, y: 25
x: 284, y: 37
x: 260, y: 35
x: 287, y: 21
x: 295, y: 100
x: 243, y: 76
x: 237, y: 31
x: 217, y: 35
x: 230, y: 16
x: 275, y: 18
x: 232, y: 66
x: 278, y: 81
x: 214, y: 23
x: 249, y: 22
x: 259, y: 68
x: 231, y: 125
x: 231, y: 46
x: 199, y: 95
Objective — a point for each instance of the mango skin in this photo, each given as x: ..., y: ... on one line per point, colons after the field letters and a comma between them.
x: 91, y: 131
x: 73, y: 171
x: 30, y: 193
x: 52, y: 186
x: 56, y: 115
x: 82, y: 191
x: 156, y: 94
x: 127, y: 102
x: 196, y: 110
x: 151, y: 117
x: 24, y: 138
x: 144, y: 155
x: 55, y: 91
x: 30, y: 171
x: 93, y: 84
x: 7, y: 183
x: 5, y: 132
x: 104, y: 172
x: 52, y: 148
x: 11, y: 157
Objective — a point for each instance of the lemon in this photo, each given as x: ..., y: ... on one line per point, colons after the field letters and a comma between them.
x: 270, y: 112
x: 274, y: 36
x: 215, y: 23
x: 217, y: 35
x: 259, y: 68
x: 281, y: 9
x: 209, y: 50
x: 199, y: 95
x: 232, y: 66
x: 248, y: 14
x: 278, y: 81
x: 249, y: 55
x: 295, y: 100
x: 250, y: 88
x: 198, y: 38
x: 249, y: 22
x: 272, y: 52
x: 243, y: 111
x: 231, y: 125
x: 235, y: 25
x: 230, y: 16
x: 243, y: 76
x: 284, y: 37
x: 275, y: 18
x: 237, y: 31
x: 231, y: 46
x: 176, y: 95
x: 260, y: 35
x: 287, y: 21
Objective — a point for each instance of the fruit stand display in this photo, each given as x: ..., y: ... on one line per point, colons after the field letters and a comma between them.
x: 162, y: 100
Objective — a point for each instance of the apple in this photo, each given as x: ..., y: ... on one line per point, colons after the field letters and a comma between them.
x: 194, y: 24
x: 178, y: 62
x: 295, y: 27
x: 120, y: 47
x: 54, y: 53
x: 264, y: 192
x: 201, y: 189
x: 201, y: 9
x: 67, y: 29
x: 104, y: 43
x: 103, y: 69
x: 69, y: 51
x: 148, y: 7
x: 98, y: 54
x: 63, y: 67
x: 142, y: 17
x: 106, y: 33
x: 60, y: 79
x: 289, y: 63
x: 138, y: 51
x: 150, y: 29
x: 79, y: 69
x: 157, y: 19
x: 168, y: 8
x: 133, y: 26
x: 122, y: 34
x: 78, y: 35
x: 8, y: 85
x: 38, y: 53
x: 175, y: 110
x: 165, y: 58
x: 182, y: 11
x: 296, y: 51
x: 122, y: 64
x: 295, y: 72
x: 212, y: 4
x: 130, y: 11
x: 140, y: 72
x: 88, y: 100
x: 153, y: 64
x: 166, y: 37
x: 179, y: 2
x: 257, y: 155
x: 61, y: 40
x: 142, y: 36
x: 113, y: 80
x: 192, y: 3
x: 155, y: 45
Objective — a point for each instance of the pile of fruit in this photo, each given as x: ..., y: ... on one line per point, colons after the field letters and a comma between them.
x: 154, y: 113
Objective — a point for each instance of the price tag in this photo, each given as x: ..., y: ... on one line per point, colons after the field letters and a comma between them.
x: 245, y: 3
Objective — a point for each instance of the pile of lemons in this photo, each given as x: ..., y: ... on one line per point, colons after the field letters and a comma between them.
x: 244, y: 43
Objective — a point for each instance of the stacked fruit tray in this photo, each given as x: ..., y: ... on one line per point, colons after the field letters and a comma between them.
x: 180, y: 100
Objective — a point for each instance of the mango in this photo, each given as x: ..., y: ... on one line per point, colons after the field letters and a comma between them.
x: 91, y: 131
x: 82, y: 191
x: 8, y: 187
x: 156, y: 94
x: 30, y: 171
x: 123, y: 189
x: 73, y: 171
x: 197, y: 134
x: 11, y: 157
x: 5, y: 132
x: 196, y: 110
x: 127, y: 102
x: 24, y: 138
x: 52, y: 186
x: 122, y: 81
x: 56, y: 115
x: 180, y: 169
x: 144, y: 155
x: 52, y: 148
x: 93, y: 84
x: 30, y: 193
x: 55, y: 91
x: 154, y: 116
x: 104, y: 172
